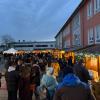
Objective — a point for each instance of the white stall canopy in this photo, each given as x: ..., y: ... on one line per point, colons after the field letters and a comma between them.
x: 11, y: 50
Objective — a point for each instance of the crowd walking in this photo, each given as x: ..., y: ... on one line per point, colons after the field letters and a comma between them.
x: 46, y: 77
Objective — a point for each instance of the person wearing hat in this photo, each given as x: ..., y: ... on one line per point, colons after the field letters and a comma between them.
x: 71, y: 88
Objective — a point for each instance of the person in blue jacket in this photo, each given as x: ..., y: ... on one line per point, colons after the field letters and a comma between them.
x: 71, y: 88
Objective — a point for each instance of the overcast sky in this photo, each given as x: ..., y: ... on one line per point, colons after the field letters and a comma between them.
x: 34, y: 20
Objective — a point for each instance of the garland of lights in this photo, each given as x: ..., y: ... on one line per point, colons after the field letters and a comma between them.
x: 79, y: 56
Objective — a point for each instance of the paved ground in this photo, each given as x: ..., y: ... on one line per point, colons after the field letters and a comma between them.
x: 3, y: 90
x: 3, y: 95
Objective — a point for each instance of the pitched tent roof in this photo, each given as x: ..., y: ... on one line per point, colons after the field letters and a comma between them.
x: 11, y: 50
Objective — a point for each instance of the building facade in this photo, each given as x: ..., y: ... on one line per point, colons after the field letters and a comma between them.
x: 82, y: 28
x: 29, y: 46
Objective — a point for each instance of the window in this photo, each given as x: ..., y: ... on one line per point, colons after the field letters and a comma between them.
x: 76, y: 22
x: 97, y: 33
x: 60, y: 40
x: 41, y: 45
x: 89, y: 10
x: 51, y: 45
x: 67, y: 43
x: 90, y: 36
x: 97, y: 5
x: 57, y: 42
x: 76, y: 38
x: 23, y: 45
x: 66, y: 31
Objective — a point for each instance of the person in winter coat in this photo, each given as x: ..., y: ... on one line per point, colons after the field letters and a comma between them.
x: 70, y: 62
x: 35, y: 74
x: 35, y: 78
x: 71, y: 88
x: 12, y: 78
x: 49, y: 82
x: 19, y: 65
x: 24, y: 83
x: 81, y: 72
x: 56, y: 68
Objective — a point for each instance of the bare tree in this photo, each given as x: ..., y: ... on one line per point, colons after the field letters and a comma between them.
x: 7, y: 39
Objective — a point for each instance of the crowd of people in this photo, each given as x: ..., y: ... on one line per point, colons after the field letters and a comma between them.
x: 47, y: 78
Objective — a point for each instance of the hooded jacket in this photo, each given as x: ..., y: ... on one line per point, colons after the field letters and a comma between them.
x: 49, y: 82
x: 72, y: 89
x: 12, y: 78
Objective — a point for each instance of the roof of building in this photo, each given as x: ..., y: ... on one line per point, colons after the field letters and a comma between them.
x: 71, y: 17
x: 30, y: 42
x: 95, y: 48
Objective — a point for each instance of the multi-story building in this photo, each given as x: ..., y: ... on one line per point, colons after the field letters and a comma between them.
x: 82, y: 29
x: 28, y: 46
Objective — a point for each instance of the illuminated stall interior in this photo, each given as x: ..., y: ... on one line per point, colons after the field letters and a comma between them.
x: 91, y: 55
x: 92, y: 63
x: 20, y: 52
x: 42, y: 51
x: 58, y: 53
x: 68, y: 54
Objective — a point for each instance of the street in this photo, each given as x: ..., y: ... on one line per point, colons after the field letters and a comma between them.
x: 3, y: 90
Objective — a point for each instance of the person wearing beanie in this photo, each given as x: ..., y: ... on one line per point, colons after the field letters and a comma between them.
x: 71, y: 88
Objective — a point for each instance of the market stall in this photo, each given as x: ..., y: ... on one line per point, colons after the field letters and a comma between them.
x: 58, y: 53
x: 70, y: 54
x: 20, y: 52
x: 92, y: 63
x: 91, y: 56
x: 41, y: 51
x: 10, y: 51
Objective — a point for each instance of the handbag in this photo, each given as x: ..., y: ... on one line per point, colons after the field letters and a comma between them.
x: 42, y: 91
x: 32, y: 87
